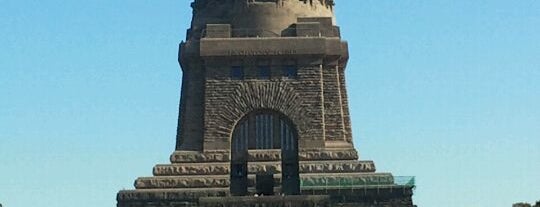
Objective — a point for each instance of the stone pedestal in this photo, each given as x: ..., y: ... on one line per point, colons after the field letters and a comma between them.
x: 195, y: 179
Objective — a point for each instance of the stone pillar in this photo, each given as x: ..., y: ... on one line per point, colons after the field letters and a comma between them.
x: 190, y: 129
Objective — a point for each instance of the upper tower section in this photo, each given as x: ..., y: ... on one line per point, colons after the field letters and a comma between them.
x: 256, y: 17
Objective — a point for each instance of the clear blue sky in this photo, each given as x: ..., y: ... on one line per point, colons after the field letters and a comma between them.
x: 446, y: 90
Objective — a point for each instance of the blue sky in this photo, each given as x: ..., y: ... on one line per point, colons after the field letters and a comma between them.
x: 446, y: 90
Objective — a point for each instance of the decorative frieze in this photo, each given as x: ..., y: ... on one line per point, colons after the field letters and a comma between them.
x: 338, y: 154
x: 170, y: 194
x: 346, y: 180
x: 183, y: 182
x: 223, y: 181
x: 264, y: 167
x: 198, y: 157
x: 263, y: 155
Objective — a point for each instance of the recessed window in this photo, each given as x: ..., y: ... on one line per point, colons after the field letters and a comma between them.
x: 264, y: 130
x: 237, y: 73
x: 290, y: 72
x: 264, y: 72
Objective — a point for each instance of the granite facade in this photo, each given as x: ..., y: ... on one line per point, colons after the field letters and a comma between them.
x: 280, y: 56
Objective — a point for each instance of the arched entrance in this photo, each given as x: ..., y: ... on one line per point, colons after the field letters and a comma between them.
x: 265, y: 130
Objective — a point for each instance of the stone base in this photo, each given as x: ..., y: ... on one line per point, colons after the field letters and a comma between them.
x: 381, y: 196
x: 268, y: 201
x: 217, y: 156
x: 223, y: 181
x: 328, y: 178
x: 223, y: 168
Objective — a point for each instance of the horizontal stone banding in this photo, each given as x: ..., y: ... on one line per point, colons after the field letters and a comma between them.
x: 295, y: 200
x: 170, y: 194
x: 262, y: 156
x: 128, y: 197
x: 280, y: 46
x: 223, y: 168
x: 223, y: 181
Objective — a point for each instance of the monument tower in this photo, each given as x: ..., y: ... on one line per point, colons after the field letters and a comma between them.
x: 264, y: 113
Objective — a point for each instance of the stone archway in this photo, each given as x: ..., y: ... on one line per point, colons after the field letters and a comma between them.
x: 264, y: 130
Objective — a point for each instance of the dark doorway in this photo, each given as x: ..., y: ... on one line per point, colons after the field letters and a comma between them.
x: 262, y: 130
x: 239, y: 179
x: 264, y: 183
x: 239, y: 160
x: 290, y: 173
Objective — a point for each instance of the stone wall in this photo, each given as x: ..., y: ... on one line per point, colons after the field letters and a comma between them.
x: 190, y: 126
x: 213, y: 101
x: 265, y: 15
x: 302, y: 35
x: 228, y: 101
x: 383, y: 197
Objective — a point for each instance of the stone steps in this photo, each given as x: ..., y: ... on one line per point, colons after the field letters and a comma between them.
x: 223, y: 181
x: 263, y: 156
x: 193, y: 194
x: 223, y: 168
x: 176, y: 194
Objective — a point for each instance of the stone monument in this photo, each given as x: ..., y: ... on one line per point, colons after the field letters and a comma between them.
x: 264, y: 118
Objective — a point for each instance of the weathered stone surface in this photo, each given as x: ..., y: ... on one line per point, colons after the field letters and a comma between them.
x: 227, y: 100
x: 381, y: 196
x: 170, y: 194
x: 192, y: 169
x: 283, y: 59
x: 346, y: 180
x: 183, y: 182
x: 337, y: 167
x: 345, y: 154
x: 269, y: 201
x: 231, y: 47
x: 199, y: 157
x: 267, y: 167
x: 278, y: 15
x: 263, y: 155
x: 223, y: 181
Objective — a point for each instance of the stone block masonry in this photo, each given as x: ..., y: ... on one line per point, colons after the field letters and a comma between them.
x: 264, y: 96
